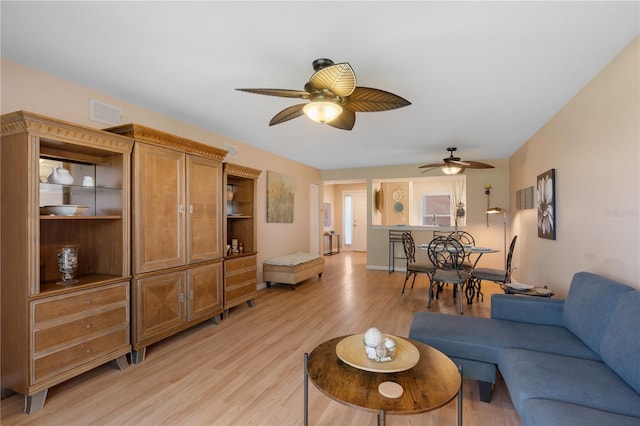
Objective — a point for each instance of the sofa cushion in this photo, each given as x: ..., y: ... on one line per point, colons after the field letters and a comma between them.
x: 590, y: 304
x: 544, y: 412
x: 532, y: 310
x: 620, y: 347
x: 530, y: 374
x: 481, y: 338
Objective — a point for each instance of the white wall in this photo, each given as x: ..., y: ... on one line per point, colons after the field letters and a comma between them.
x: 27, y: 89
x: 593, y: 142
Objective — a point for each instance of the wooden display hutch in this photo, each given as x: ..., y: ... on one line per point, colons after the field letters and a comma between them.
x: 52, y: 332
x: 177, y: 235
x: 240, y: 269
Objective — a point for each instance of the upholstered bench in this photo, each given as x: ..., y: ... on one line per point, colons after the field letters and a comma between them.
x: 292, y: 269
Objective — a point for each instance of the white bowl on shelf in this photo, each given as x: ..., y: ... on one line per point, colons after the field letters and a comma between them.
x: 67, y: 209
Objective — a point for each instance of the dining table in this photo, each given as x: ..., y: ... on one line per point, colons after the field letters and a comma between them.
x: 469, y: 249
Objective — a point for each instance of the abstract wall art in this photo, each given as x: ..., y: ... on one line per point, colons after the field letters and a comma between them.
x: 280, y: 198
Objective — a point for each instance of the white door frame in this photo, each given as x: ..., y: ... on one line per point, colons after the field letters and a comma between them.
x: 314, y: 218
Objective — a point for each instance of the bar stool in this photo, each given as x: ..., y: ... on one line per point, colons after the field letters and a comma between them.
x: 395, y: 237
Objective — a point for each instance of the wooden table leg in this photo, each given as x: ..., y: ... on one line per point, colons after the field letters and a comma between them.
x: 460, y: 397
x: 306, y: 390
x: 381, y: 418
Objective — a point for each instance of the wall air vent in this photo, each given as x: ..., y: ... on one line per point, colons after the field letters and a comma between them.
x: 103, y: 113
x: 232, y: 150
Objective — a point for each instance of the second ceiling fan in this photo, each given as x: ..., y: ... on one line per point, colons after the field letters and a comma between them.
x: 454, y: 165
x: 334, y: 97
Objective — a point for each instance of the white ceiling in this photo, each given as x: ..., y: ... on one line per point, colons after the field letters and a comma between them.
x: 482, y: 76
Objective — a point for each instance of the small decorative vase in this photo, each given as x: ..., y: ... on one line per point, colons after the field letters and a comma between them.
x: 460, y: 212
x: 229, y: 194
x: 67, y: 263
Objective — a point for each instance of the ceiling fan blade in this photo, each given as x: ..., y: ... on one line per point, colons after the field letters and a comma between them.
x: 287, y: 114
x: 285, y: 93
x: 365, y: 99
x: 344, y: 121
x: 458, y: 162
x: 478, y: 165
x: 428, y: 170
x: 339, y: 79
x: 431, y: 166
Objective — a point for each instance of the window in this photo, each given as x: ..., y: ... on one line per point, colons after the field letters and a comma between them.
x: 436, y: 210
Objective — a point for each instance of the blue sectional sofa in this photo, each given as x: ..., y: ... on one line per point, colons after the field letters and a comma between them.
x: 565, y: 362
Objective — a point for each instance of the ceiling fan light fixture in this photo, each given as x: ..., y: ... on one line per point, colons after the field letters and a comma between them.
x: 451, y: 169
x: 322, y: 111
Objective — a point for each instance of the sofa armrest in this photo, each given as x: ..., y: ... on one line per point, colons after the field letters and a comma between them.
x: 533, y: 310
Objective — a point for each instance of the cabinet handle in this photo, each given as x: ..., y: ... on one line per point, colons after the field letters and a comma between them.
x: 87, y: 326
x: 191, y: 209
x: 191, y: 295
x: 87, y: 302
x: 181, y: 209
x: 86, y: 351
x: 182, y: 297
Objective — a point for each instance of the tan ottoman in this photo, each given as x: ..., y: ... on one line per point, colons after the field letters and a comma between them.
x: 292, y: 269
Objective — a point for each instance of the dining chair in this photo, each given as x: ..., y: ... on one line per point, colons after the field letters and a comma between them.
x: 395, y: 237
x: 414, y: 268
x: 441, y: 233
x: 498, y: 276
x: 447, y: 254
x: 466, y: 239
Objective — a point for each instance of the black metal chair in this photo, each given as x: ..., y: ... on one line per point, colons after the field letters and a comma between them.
x: 441, y: 233
x: 414, y: 268
x: 466, y: 239
x: 499, y: 276
x: 447, y: 254
x: 395, y: 237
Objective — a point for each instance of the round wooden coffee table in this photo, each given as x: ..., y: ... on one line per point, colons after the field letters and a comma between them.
x: 432, y: 383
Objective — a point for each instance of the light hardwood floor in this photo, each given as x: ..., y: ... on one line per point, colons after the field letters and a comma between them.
x: 248, y: 370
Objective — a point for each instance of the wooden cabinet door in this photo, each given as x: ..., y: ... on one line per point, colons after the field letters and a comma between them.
x: 159, y: 302
x: 204, y: 209
x: 159, y: 208
x: 205, y: 291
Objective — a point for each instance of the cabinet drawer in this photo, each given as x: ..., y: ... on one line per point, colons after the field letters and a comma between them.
x: 237, y: 292
x: 75, y: 355
x: 82, y: 301
x: 68, y: 332
x: 235, y: 265
x: 243, y: 277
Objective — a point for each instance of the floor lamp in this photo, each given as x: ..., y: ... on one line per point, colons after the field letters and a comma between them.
x: 496, y: 210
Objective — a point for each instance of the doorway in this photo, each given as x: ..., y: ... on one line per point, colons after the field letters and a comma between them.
x: 354, y: 220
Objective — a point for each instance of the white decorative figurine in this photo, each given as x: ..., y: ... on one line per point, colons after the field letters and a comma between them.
x: 377, y: 347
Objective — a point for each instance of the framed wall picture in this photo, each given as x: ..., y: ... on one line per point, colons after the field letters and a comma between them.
x: 280, y: 201
x: 547, y: 205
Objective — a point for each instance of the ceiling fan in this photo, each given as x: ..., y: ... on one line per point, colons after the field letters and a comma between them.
x: 454, y: 165
x: 334, y: 97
